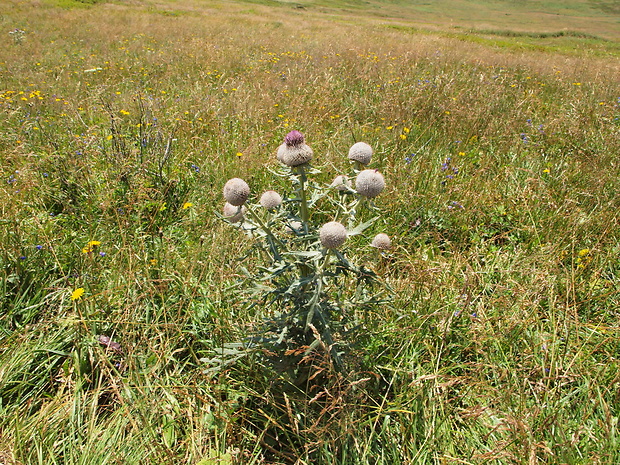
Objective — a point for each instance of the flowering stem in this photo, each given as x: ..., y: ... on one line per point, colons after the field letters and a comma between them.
x: 350, y: 211
x: 305, y: 216
x: 315, y: 310
x: 304, y: 201
x: 269, y: 233
x: 319, y: 288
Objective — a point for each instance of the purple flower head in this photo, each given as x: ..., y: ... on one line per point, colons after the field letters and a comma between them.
x: 294, y: 138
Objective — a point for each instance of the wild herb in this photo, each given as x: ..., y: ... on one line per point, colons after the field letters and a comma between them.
x: 312, y: 292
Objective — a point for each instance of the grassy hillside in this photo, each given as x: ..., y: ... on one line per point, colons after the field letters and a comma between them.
x: 599, y: 18
x: 492, y: 334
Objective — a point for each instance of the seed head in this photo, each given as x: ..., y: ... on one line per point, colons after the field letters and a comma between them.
x: 234, y: 214
x: 332, y: 235
x: 270, y: 200
x: 294, y: 151
x: 341, y: 183
x: 369, y: 183
x: 236, y: 191
x: 382, y: 241
x: 361, y: 152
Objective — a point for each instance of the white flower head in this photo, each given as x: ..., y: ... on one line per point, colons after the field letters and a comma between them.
x: 369, y: 183
x: 382, y: 241
x: 270, y: 200
x: 361, y: 152
x: 341, y: 183
x: 234, y: 214
x: 294, y: 151
x: 236, y: 191
x: 332, y: 235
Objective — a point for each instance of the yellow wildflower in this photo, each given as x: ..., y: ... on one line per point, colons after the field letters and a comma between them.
x: 88, y: 248
x: 187, y: 205
x: 79, y: 292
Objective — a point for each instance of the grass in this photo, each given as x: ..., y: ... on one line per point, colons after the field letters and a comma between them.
x: 501, y: 342
x: 598, y: 18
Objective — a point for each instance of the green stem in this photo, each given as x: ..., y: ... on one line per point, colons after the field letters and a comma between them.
x: 314, y: 310
x: 268, y: 231
x: 319, y: 288
x: 303, y: 211
x: 305, y: 216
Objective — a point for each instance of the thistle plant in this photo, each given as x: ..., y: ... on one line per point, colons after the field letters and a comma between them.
x: 312, y: 292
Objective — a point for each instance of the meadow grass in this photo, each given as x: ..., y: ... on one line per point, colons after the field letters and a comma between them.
x: 121, y: 122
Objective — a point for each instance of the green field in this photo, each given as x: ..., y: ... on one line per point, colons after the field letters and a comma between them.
x: 133, y: 328
x: 598, y: 18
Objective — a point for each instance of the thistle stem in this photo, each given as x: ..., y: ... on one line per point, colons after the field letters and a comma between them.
x: 303, y: 211
x: 261, y: 224
x: 305, y: 216
x: 319, y: 288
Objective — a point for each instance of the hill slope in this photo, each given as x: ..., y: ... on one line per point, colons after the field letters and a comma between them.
x: 539, y: 16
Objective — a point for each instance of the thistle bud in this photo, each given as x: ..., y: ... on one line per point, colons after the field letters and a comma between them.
x: 294, y: 151
x: 382, y: 241
x: 270, y: 200
x: 360, y: 152
x: 369, y: 183
x: 332, y: 235
x: 341, y: 183
x: 234, y: 214
x: 294, y: 227
x: 236, y: 191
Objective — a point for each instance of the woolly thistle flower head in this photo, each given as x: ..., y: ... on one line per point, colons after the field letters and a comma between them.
x: 361, y: 152
x: 270, y: 200
x: 332, y: 235
x: 294, y: 151
x: 294, y: 138
x: 382, y: 241
x: 369, y: 183
x: 236, y: 191
x: 234, y: 214
x: 341, y: 183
